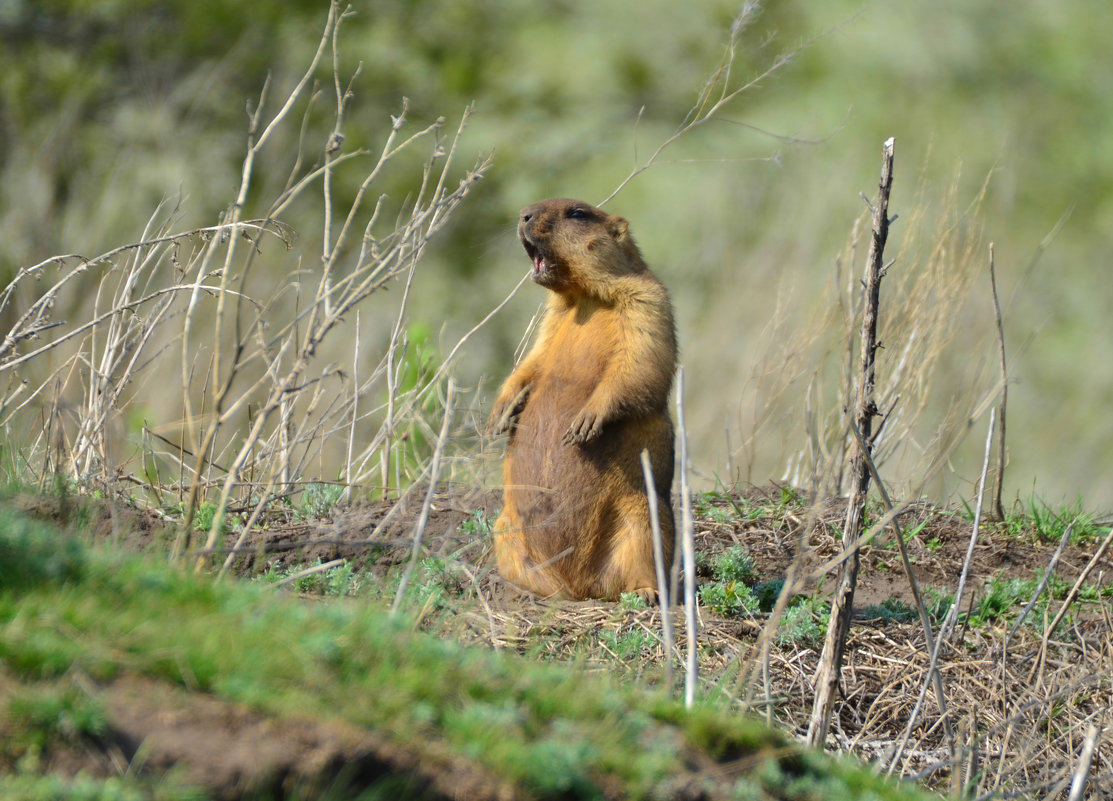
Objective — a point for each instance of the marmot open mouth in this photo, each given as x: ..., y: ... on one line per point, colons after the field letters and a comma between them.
x: 541, y: 264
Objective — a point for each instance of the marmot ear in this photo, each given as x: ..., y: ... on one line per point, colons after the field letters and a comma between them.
x: 618, y: 227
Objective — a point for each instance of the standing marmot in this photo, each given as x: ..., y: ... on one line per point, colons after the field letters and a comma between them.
x: 591, y: 394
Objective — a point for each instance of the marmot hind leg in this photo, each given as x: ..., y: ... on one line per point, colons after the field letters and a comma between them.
x: 633, y: 567
x: 510, y: 554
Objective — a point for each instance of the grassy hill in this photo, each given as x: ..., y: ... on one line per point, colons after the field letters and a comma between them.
x: 123, y: 677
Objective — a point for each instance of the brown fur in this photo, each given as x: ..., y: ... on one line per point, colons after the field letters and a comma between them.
x: 591, y: 394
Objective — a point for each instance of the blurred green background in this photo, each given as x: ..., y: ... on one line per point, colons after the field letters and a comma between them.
x: 109, y: 108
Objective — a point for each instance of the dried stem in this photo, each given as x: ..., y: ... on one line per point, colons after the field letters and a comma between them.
x: 716, y: 94
x: 933, y: 674
x: 261, y: 395
x: 688, y: 550
x: 1078, y: 781
x: 423, y: 519
x: 999, y: 475
x: 663, y: 598
x: 827, y: 674
x: 1049, y: 629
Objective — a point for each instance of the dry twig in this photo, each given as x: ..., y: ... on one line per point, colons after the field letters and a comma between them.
x: 827, y: 677
x: 688, y: 551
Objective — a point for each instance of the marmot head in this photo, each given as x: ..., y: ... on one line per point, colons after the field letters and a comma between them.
x: 576, y: 247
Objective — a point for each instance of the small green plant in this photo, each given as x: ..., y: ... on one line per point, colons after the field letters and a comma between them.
x: 720, y: 514
x: 727, y: 595
x: 340, y: 582
x: 206, y: 513
x: 476, y: 524
x: 733, y: 564
x: 934, y: 545
x: 343, y: 581
x: 790, y: 498
x: 891, y: 609
x: 442, y: 580
x: 1058, y: 588
x: 204, y: 516
x: 627, y: 644
x: 804, y: 623
x: 632, y: 602
x: 767, y: 593
x: 441, y: 573
x: 318, y: 500
x: 1087, y: 593
x: 729, y: 599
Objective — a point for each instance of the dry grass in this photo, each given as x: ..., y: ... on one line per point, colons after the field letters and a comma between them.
x: 793, y: 399
x: 1021, y: 698
x: 259, y: 403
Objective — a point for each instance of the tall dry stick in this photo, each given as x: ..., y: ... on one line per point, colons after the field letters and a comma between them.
x: 423, y: 519
x: 997, y: 509
x: 865, y: 409
x: 1078, y: 781
x: 934, y: 675
x: 688, y: 549
x: 663, y: 598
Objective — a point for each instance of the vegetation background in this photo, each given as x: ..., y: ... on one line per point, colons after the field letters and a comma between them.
x: 108, y: 109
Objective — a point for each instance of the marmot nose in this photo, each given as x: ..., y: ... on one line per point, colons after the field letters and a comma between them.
x: 527, y: 215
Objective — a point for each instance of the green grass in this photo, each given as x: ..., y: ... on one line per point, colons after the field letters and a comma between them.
x: 53, y: 713
x: 1004, y: 598
x: 342, y: 581
x: 26, y: 784
x: 1041, y: 522
x: 721, y: 506
x: 550, y: 730
x: 1050, y: 524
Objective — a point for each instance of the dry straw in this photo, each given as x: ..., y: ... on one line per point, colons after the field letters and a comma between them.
x: 250, y: 330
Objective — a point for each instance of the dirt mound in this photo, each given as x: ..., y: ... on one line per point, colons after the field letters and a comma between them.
x: 233, y: 752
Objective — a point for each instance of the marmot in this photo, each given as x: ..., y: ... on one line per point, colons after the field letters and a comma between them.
x: 591, y: 394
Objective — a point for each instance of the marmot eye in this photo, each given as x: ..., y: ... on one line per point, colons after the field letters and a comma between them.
x: 577, y: 214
